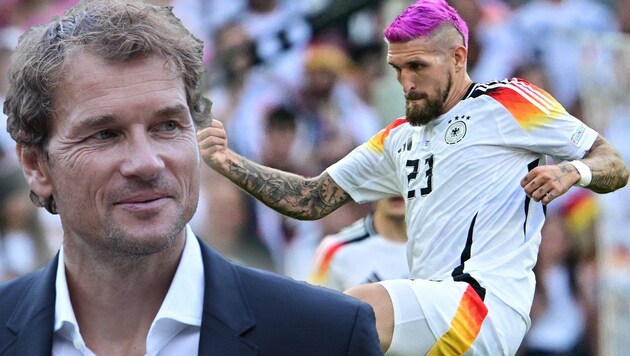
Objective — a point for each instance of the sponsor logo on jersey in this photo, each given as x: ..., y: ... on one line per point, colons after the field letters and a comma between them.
x: 455, y: 132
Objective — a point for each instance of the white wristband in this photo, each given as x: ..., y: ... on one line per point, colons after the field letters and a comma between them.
x: 585, y: 173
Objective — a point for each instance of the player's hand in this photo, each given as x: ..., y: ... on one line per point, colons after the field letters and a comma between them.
x: 545, y: 183
x: 213, y: 145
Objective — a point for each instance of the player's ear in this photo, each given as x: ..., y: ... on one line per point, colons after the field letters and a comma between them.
x: 460, y: 54
x: 35, y: 169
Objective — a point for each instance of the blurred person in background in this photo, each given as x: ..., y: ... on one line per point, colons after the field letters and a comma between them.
x: 242, y: 95
x: 8, y: 41
x: 23, y: 247
x: 336, y: 117
x: 563, y: 320
x: 370, y: 250
x: 333, y: 119
x: 242, y: 92
x: 290, y: 242
x: 549, y: 31
x: 492, y: 47
x: 281, y: 34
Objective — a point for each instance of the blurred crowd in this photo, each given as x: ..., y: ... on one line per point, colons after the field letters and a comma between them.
x: 298, y: 84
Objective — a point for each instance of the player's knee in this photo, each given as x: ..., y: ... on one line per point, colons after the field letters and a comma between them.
x: 376, y: 295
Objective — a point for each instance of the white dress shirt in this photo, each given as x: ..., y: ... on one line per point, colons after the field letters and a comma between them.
x: 175, y: 329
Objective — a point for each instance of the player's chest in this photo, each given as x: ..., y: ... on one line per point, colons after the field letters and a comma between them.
x: 442, y: 151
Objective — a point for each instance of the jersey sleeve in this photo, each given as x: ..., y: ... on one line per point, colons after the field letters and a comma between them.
x: 368, y: 173
x: 538, y: 122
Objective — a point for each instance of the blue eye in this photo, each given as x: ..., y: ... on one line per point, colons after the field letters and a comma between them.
x: 103, y: 135
x: 168, y: 126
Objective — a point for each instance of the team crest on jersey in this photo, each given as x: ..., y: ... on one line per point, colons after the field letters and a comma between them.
x: 456, y: 131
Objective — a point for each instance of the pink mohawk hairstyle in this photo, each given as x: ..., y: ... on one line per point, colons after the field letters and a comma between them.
x: 422, y: 18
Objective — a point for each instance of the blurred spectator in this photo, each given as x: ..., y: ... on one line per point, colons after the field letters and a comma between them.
x: 291, y: 242
x: 8, y: 41
x: 241, y: 93
x: 203, y: 18
x: 280, y: 35
x: 615, y: 219
x: 22, y: 243
x: 333, y: 119
x: 491, y: 47
x: 336, y: 118
x: 548, y: 31
x: 560, y: 310
x: 371, y: 249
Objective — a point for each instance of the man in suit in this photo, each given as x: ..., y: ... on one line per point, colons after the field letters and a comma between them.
x: 104, y: 105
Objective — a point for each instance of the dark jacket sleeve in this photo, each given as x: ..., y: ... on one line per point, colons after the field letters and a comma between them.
x: 364, y: 339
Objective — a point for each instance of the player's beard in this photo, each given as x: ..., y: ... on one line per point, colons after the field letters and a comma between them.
x: 422, y: 115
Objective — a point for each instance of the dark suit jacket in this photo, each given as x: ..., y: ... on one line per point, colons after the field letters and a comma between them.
x: 246, y: 312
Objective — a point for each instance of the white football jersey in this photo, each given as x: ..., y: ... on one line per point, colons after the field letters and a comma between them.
x: 468, y: 218
x: 358, y: 255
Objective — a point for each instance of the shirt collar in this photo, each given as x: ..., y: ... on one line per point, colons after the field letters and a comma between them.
x: 64, y: 314
x: 184, y: 300
x: 182, y: 305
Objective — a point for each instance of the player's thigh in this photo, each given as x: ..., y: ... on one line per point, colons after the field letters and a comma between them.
x: 450, y: 318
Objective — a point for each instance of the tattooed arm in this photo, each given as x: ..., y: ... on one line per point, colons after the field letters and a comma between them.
x: 608, y: 168
x: 289, y: 194
x: 609, y: 173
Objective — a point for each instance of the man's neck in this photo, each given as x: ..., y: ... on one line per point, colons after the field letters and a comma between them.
x: 119, y: 301
x: 459, y: 90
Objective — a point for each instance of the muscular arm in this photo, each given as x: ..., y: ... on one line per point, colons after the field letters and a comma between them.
x: 608, y: 168
x: 609, y: 173
x: 289, y: 194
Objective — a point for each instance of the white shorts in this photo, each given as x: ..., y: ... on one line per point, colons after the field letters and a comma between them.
x: 449, y: 318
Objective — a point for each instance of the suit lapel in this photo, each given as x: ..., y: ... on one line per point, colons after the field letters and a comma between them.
x: 226, y: 315
x: 32, y: 322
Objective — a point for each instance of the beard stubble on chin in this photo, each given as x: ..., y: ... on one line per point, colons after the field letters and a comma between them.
x: 126, y: 245
x: 419, y: 116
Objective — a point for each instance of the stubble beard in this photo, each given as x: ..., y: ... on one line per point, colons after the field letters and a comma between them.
x: 126, y: 244
x: 419, y: 116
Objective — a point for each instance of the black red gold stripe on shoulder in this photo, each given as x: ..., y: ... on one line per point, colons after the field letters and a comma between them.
x: 377, y: 141
x: 530, y: 105
x: 325, y: 255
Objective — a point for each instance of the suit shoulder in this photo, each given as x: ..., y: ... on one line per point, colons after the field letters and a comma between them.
x: 13, y: 288
x: 287, y: 293
x: 12, y: 292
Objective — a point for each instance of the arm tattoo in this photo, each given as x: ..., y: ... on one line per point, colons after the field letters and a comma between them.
x: 287, y: 193
x: 608, y: 168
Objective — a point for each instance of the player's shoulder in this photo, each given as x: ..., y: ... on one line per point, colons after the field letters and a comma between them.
x: 358, y: 232
x: 516, y: 93
x: 377, y: 142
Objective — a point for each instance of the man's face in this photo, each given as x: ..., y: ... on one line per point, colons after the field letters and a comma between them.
x: 123, y: 155
x: 425, y: 73
x: 393, y: 207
